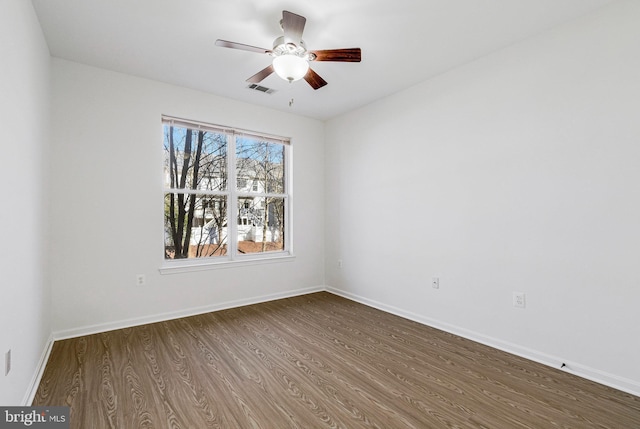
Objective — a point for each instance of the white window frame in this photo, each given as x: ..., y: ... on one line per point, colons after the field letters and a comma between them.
x: 233, y: 258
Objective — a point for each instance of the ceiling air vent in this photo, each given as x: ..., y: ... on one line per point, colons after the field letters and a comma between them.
x: 261, y: 88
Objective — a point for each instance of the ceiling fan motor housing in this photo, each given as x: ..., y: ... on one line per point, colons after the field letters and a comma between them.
x: 282, y: 48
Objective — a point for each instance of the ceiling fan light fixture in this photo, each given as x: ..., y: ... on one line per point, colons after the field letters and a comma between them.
x: 290, y: 67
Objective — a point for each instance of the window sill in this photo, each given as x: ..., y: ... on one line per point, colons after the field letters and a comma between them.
x: 188, y: 266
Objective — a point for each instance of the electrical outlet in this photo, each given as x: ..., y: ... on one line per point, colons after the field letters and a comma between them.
x: 519, y: 300
x: 435, y: 282
x: 140, y: 279
x: 7, y: 362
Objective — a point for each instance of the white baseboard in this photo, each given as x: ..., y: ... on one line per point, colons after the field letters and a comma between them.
x: 37, y: 376
x: 110, y: 326
x: 611, y: 380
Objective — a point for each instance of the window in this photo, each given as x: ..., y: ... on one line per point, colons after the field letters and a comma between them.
x: 226, y: 194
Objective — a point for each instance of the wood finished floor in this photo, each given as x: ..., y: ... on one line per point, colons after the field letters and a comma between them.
x: 315, y: 361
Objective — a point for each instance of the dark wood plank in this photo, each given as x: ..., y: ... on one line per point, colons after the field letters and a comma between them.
x: 310, y: 362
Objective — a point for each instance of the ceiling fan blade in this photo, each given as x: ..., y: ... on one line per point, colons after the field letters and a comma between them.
x: 293, y: 26
x: 314, y: 79
x: 261, y: 75
x: 234, y: 45
x: 352, y: 55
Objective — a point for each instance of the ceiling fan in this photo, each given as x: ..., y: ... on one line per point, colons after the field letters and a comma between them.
x: 290, y: 55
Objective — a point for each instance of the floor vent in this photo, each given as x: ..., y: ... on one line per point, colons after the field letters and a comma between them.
x: 260, y: 88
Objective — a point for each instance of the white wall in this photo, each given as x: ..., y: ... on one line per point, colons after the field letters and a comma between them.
x: 25, y: 297
x: 107, y: 184
x: 517, y: 172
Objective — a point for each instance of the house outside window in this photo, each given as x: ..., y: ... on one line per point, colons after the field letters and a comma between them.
x: 226, y: 194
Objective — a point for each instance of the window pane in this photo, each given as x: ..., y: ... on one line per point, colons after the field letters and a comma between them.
x: 260, y: 224
x: 195, y: 226
x: 198, y: 160
x: 194, y: 159
x: 259, y: 166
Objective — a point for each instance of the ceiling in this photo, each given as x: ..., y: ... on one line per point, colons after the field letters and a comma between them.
x: 403, y: 42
